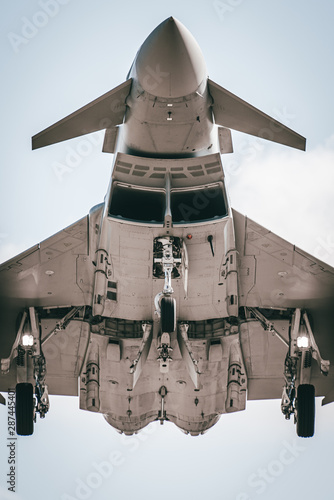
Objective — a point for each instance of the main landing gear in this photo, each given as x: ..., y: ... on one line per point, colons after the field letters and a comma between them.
x: 31, y: 372
x: 31, y: 388
x: 299, y: 394
x: 298, y: 397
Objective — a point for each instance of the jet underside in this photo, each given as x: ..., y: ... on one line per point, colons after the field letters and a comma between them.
x: 201, y: 374
x: 165, y: 303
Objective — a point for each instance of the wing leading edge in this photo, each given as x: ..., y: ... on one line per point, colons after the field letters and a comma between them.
x: 105, y: 112
x: 232, y: 112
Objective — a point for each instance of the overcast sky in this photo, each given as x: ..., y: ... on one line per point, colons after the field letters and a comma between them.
x: 277, y: 55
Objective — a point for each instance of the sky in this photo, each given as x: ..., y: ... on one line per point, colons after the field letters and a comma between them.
x: 57, y: 55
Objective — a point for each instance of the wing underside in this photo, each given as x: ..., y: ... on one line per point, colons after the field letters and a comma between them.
x: 54, y: 276
x: 276, y: 278
x: 234, y: 113
x: 105, y: 112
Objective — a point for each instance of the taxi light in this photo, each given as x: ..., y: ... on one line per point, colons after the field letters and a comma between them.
x: 27, y: 340
x: 302, y: 342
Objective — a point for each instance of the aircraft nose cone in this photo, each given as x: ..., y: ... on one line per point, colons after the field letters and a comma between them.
x: 170, y: 62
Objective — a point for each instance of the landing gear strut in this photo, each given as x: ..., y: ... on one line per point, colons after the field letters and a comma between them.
x: 166, y: 264
x: 31, y: 388
x: 298, y: 394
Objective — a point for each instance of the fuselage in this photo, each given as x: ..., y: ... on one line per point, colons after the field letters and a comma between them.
x: 163, y: 301
x: 168, y: 109
x: 167, y: 178
x: 167, y: 185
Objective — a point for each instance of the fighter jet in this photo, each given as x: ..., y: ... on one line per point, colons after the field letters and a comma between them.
x: 164, y: 303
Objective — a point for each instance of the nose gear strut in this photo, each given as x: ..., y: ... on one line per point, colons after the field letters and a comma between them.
x: 167, y: 263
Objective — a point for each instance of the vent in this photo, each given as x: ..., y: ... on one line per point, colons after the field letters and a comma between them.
x: 111, y: 295
x: 183, y: 171
x: 197, y: 174
x: 142, y: 167
x: 157, y: 176
x: 178, y: 176
x: 111, y: 292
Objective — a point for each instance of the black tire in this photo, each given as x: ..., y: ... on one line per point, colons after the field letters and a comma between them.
x: 168, y: 314
x: 24, y: 409
x: 305, y: 410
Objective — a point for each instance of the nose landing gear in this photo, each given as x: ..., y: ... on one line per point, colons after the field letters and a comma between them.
x: 168, y: 314
x: 166, y: 264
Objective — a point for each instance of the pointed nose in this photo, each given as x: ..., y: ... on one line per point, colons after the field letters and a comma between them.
x: 170, y: 62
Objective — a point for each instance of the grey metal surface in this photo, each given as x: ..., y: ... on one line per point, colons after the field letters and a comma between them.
x: 162, y: 125
x: 170, y: 62
x: 104, y: 112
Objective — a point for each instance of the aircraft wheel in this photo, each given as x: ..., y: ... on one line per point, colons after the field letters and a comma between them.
x: 168, y: 314
x: 24, y: 409
x: 305, y: 410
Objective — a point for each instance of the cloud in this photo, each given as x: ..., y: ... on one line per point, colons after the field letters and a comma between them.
x: 289, y: 192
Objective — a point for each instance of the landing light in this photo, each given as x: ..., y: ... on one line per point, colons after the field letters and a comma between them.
x: 27, y: 340
x: 303, y: 342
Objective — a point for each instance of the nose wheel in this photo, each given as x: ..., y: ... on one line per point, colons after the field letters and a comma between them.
x: 166, y: 264
x: 168, y: 314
